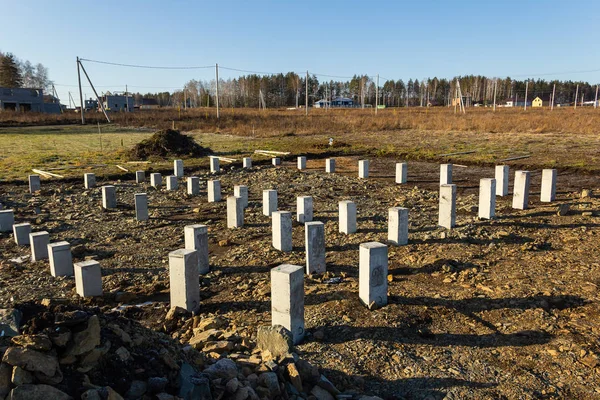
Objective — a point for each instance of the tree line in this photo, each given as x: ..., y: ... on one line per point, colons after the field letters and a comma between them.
x: 15, y: 73
x: 289, y: 90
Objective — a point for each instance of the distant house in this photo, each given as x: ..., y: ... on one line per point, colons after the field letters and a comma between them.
x: 537, y: 102
x: 342, y: 102
x: 25, y: 99
x: 91, y: 104
x: 117, y: 103
x: 509, y: 103
x: 322, y: 104
x: 148, y: 104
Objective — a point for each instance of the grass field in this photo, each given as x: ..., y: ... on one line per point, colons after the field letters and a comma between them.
x: 562, y: 138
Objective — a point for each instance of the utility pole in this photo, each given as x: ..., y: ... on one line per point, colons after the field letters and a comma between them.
x: 297, y: 90
x: 526, y: 87
x: 306, y: 95
x: 377, y: 94
x: 495, y: 87
x: 596, y: 98
x: 576, y: 96
x: 184, y: 99
x: 217, y: 99
x: 80, y: 93
x: 96, y: 93
x: 582, y: 96
x: 553, y: 93
x: 126, y: 100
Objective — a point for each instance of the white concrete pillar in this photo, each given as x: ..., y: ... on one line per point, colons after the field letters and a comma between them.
x: 241, y: 191
x: 193, y: 185
x: 302, y: 162
x: 502, y: 177
x: 39, y: 245
x: 88, y: 278
x: 196, y: 238
x: 172, y: 182
x: 521, y: 190
x: 214, y: 165
x: 269, y: 202
x: 7, y: 220
x: 89, y: 180
x: 140, y: 177
x: 21, y: 233
x: 287, y: 299
x: 109, y: 197
x: 304, y: 209
x: 156, y: 180
x: 347, y: 216
x: 330, y: 165
x: 445, y: 174
x: 61, y: 261
x: 548, y: 193
x: 34, y: 183
x: 178, y: 168
x: 363, y: 169
x: 398, y: 226
x: 184, y: 279
x: 282, y: 230
x: 247, y: 162
x: 214, y: 191
x: 372, y: 274
x: 141, y: 206
x: 487, y: 198
x: 314, y: 241
x: 401, y: 172
x: 447, y: 208
x: 276, y: 161
x: 235, y: 212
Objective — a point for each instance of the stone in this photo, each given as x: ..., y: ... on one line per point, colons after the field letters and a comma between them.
x: 521, y: 190
x: 32, y: 361
x: 327, y: 385
x: 321, y: 394
x: 10, y: 322
x: 241, y: 191
x: 447, y: 206
x: 140, y: 176
x: 330, y: 165
x: 39, y: 342
x: 235, y: 212
x: 34, y: 183
x: 294, y: 376
x: 287, y: 299
x: 87, y: 339
x: 109, y: 197
x: 157, y: 384
x: 214, y: 165
x: 276, y: 339
x: 200, y: 338
x: 487, y: 198
x: 563, y: 209
x: 89, y: 180
x: 7, y: 220
x: 196, y: 238
x: 372, y: 275
x: 304, y: 209
x: 37, y: 392
x: 269, y: 202
x: 270, y: 381
x: 347, y: 216
x: 398, y: 226
x: 39, y: 245
x: 155, y: 180
x: 363, y: 169
x: 193, y: 186
x: 585, y: 193
x: 21, y: 233
x: 247, y: 162
x: 214, y: 191
x: 172, y: 183
x: 178, y: 168
x: 401, y: 173
x: 301, y: 162
x: 232, y: 385
x: 5, y: 379
x: 141, y: 206
x: 61, y: 260
x: 219, y: 346
x: 314, y: 239
x: 276, y: 161
x: 548, y: 190
x: 88, y: 278
x: 502, y: 177
x: 183, y: 278
x: 224, y: 369
x: 445, y: 174
x: 282, y: 230
x: 21, y: 377
x: 123, y: 353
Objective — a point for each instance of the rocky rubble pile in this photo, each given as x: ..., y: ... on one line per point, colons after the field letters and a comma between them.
x: 54, y: 351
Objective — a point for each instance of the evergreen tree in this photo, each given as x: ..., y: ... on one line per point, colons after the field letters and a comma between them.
x: 10, y: 75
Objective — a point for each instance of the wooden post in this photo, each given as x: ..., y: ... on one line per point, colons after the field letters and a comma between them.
x: 526, y: 87
x: 495, y: 85
x: 553, y: 93
x: 377, y: 94
x: 80, y: 93
x: 217, y: 97
x: 306, y: 95
x: 576, y: 96
x: 596, y: 98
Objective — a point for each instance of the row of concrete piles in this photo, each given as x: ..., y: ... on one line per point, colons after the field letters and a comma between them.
x: 287, y: 281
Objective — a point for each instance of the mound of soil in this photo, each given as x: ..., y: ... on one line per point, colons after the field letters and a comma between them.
x: 168, y: 143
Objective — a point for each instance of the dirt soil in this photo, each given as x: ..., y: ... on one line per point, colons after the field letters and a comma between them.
x: 492, y: 309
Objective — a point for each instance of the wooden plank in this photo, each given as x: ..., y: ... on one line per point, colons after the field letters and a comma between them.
x: 515, y: 158
x: 138, y: 162
x: 46, y: 174
x: 457, y: 154
x: 284, y: 153
x: 122, y: 169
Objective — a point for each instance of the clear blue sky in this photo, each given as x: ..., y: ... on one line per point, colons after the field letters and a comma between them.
x: 397, y: 39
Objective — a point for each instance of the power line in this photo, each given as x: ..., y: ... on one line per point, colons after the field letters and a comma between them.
x: 250, y: 72
x: 143, y: 66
